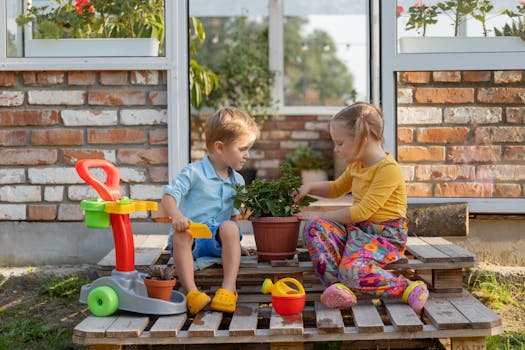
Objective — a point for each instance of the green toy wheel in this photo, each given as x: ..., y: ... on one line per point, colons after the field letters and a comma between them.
x: 102, y: 301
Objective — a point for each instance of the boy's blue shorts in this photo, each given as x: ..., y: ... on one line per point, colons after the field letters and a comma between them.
x: 204, y: 246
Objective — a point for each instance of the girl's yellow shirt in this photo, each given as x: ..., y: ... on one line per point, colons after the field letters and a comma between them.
x: 379, y: 191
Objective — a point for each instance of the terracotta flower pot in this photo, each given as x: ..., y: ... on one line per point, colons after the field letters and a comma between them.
x: 276, y: 237
x: 159, y: 289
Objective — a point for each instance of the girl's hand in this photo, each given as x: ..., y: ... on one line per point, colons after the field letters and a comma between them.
x: 303, y: 191
x: 180, y: 223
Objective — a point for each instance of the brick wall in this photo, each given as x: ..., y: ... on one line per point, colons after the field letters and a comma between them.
x: 280, y: 135
x: 462, y: 134
x: 49, y: 120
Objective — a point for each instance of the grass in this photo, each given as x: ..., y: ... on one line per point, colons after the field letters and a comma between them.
x: 505, y: 295
x: 39, y: 312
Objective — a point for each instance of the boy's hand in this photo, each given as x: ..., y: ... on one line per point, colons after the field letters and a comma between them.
x: 180, y: 223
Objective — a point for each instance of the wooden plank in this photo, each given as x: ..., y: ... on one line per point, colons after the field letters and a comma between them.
x: 424, y: 251
x: 328, y: 320
x: 367, y: 318
x: 244, y: 319
x: 444, y: 315
x: 402, y: 317
x: 168, y: 326
x: 455, y: 252
x: 127, y: 327
x: 205, y: 324
x: 289, y: 324
x: 478, y: 314
x: 93, y: 326
x: 447, y: 281
x: 148, y: 249
x: 248, y: 261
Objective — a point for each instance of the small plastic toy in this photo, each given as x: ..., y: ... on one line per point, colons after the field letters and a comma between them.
x: 285, y: 300
x: 124, y: 289
x: 200, y: 230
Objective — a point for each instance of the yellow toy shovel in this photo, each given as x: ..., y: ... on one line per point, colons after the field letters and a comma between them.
x: 200, y: 230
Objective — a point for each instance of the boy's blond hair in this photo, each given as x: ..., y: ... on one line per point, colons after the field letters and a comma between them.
x: 227, y: 125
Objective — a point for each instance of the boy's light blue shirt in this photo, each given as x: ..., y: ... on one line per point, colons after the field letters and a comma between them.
x: 202, y: 195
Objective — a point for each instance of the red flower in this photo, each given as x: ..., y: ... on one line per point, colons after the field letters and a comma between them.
x: 79, y: 5
x: 399, y: 10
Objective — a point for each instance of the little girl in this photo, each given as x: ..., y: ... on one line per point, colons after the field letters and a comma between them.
x: 350, y: 247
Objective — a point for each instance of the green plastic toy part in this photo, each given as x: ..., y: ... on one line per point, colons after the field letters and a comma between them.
x: 102, y: 301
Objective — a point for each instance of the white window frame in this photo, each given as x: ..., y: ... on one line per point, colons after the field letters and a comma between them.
x: 175, y: 62
x: 393, y: 62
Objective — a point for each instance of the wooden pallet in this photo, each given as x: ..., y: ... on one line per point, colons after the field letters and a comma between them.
x: 455, y: 317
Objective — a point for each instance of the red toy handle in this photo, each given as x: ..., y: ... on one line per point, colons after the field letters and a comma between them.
x: 109, y: 191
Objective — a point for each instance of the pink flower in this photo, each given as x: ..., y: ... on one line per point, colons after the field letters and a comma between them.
x: 420, y: 4
x: 399, y: 10
x: 522, y: 2
x: 79, y: 5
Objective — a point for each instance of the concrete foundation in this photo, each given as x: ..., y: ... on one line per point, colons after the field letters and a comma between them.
x: 494, y: 239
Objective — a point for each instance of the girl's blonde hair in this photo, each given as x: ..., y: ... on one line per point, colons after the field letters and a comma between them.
x: 227, y: 125
x: 363, y: 120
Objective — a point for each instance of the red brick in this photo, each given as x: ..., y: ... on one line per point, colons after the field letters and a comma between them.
x: 515, y: 153
x: 415, y: 77
x: 71, y: 156
x: 515, y: 115
x: 501, y: 95
x: 28, y: 117
x: 447, y: 76
x: 164, y: 77
x: 27, y: 156
x: 50, y: 78
x: 419, y: 189
x: 142, y: 156
x: 13, y: 137
x: 82, y: 78
x: 57, y: 137
x: 41, y: 212
x: 444, y: 95
x: 507, y: 190
x: 116, y: 136
x: 29, y: 78
x: 405, y: 135
x: 113, y: 78
x: 158, y: 98
x: 421, y: 154
x: 442, y: 135
x: 476, y: 76
x: 474, y: 154
x: 442, y: 172
x: 158, y: 137
x: 499, y: 134
x: 117, y: 98
x: 158, y: 174
x: 7, y: 79
x: 144, y: 77
x: 473, y: 190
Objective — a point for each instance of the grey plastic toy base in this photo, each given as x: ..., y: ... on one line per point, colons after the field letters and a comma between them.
x: 133, y: 296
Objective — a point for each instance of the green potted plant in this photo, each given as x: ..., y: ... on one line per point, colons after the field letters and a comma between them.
x: 108, y: 27
x: 311, y: 164
x: 271, y: 210
x: 160, y: 281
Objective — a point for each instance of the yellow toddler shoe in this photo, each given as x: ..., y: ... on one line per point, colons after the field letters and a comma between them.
x: 196, y: 301
x: 224, y: 300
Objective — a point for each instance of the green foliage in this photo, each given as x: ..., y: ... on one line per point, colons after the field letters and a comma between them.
x: 271, y: 198
x: 242, y: 65
x: 458, y: 10
x: 202, y: 80
x: 517, y: 24
x: 97, y: 19
x: 158, y: 272
x: 312, y: 64
x: 305, y: 158
x: 420, y: 17
x: 496, y: 291
x: 67, y: 287
x: 480, y: 13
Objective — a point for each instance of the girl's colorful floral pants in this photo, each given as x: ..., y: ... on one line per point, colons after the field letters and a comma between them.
x: 356, y: 254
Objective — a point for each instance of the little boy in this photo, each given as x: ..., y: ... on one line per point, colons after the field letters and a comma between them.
x: 203, y: 192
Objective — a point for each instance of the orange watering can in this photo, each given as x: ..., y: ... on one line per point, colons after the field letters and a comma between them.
x: 285, y: 299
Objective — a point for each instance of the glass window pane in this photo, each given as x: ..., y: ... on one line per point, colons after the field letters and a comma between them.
x: 475, y: 26
x: 83, y: 28
x: 326, y: 52
x: 236, y: 50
